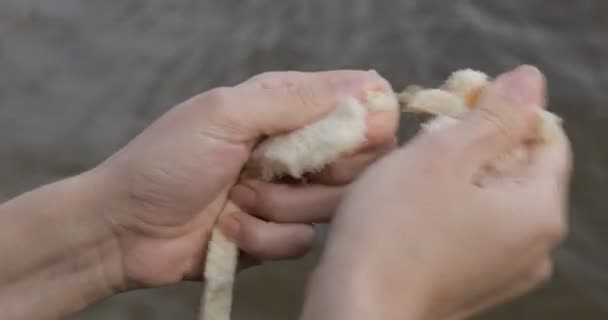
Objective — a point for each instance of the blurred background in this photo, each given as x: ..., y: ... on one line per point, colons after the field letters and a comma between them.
x: 78, y: 79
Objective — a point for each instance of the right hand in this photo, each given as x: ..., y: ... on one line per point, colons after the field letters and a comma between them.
x: 417, y: 238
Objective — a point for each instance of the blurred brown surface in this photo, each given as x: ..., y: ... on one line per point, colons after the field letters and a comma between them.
x: 78, y: 79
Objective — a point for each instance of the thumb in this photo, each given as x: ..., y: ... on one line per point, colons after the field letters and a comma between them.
x: 507, y: 114
x: 284, y: 101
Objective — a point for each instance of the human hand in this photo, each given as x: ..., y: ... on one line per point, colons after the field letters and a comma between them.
x: 165, y: 189
x: 419, y: 238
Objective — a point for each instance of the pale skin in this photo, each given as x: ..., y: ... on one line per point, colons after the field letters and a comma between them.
x: 143, y: 217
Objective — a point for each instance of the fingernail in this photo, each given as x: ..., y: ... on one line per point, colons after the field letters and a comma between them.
x: 244, y: 196
x: 525, y: 85
x: 230, y: 226
x: 373, y: 125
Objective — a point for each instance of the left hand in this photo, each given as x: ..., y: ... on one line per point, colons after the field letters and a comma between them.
x: 164, y: 190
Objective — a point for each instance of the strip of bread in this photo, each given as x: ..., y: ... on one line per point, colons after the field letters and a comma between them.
x: 457, y: 96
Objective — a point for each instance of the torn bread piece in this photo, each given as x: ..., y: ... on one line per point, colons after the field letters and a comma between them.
x: 437, y: 102
x: 311, y: 148
x: 457, y: 96
x: 466, y: 84
x: 219, y: 273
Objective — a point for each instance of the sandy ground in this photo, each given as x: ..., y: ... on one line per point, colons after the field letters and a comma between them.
x: 78, y: 79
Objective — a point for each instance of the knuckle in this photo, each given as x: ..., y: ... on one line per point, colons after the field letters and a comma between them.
x: 305, y: 95
x: 264, y: 75
x: 266, y: 79
x: 381, y: 82
x: 495, y: 121
x: 217, y: 97
x: 252, y: 239
x: 339, y: 174
x: 222, y: 109
x: 275, y: 79
x: 504, y: 119
x: 271, y: 211
x: 300, y: 242
x: 542, y: 273
x: 528, y: 115
x: 270, y: 208
x: 299, y: 249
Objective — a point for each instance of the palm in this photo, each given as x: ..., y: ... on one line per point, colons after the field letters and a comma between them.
x: 171, y: 254
x: 177, y: 199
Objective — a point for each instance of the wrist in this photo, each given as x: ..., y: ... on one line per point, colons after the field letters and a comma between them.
x: 105, y: 253
x: 341, y: 288
x: 60, y: 256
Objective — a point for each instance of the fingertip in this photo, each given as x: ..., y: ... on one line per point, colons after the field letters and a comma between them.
x: 230, y: 225
x: 381, y: 128
x: 298, y: 239
x: 524, y: 87
x: 244, y: 195
x: 241, y: 228
x: 381, y: 83
x: 272, y: 241
x: 284, y: 203
x: 306, y: 240
x: 543, y: 272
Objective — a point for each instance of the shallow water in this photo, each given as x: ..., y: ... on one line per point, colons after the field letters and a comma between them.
x: 78, y: 79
